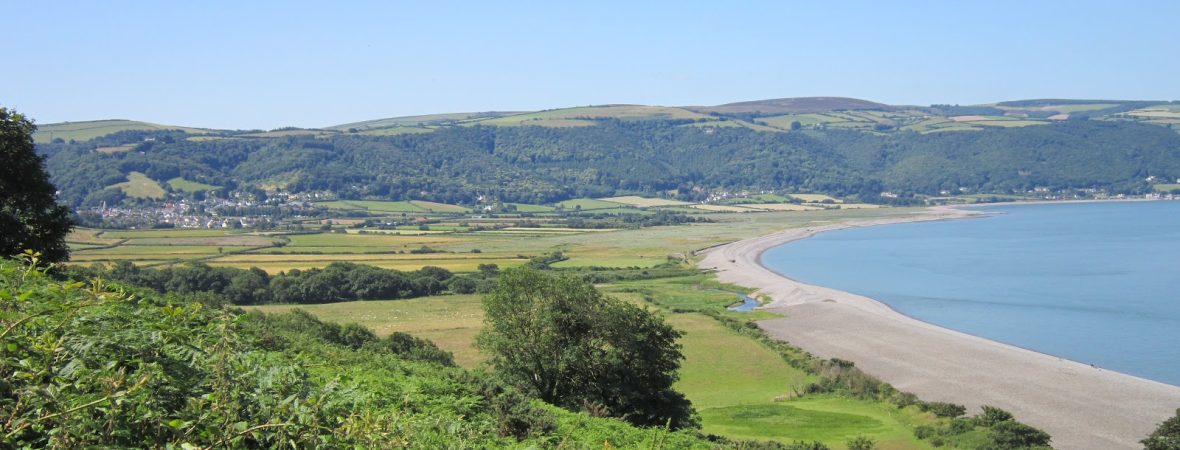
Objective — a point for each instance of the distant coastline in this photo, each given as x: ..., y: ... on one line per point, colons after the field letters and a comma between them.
x: 1080, y: 405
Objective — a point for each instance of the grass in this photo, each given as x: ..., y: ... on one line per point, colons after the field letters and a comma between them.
x: 610, y: 261
x: 116, y: 149
x: 91, y: 236
x: 139, y: 185
x: 373, y: 205
x: 716, y: 356
x: 169, y: 233
x: 723, y: 208
x: 84, y: 131
x: 450, y: 321
x: 456, y: 265
x: 438, y: 207
x: 1009, y: 123
x: 816, y: 198
x: 609, y: 111
x: 831, y: 420
x: 587, y: 204
x: 644, y: 202
x: 182, y: 184
x: 396, y: 131
x: 381, y: 206
x: 779, y: 206
x: 1165, y: 187
x: 527, y: 208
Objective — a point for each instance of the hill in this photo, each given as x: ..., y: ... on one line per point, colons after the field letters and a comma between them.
x: 84, y: 131
x: 795, y: 106
x: 673, y: 157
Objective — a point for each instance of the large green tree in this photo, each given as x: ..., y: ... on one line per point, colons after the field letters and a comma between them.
x: 30, y: 218
x: 567, y: 343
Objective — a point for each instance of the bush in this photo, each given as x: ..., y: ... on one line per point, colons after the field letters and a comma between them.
x: 861, y: 443
x: 943, y: 409
x: 1166, y: 437
x: 1015, y: 435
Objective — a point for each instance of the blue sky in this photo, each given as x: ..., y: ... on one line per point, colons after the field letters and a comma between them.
x: 256, y: 64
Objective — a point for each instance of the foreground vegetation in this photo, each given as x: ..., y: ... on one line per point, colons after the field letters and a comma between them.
x: 87, y: 364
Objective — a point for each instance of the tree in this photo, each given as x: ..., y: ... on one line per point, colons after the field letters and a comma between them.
x: 30, y: 218
x: 1166, y: 437
x: 563, y: 341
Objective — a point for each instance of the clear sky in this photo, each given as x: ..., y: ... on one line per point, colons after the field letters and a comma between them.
x: 262, y: 64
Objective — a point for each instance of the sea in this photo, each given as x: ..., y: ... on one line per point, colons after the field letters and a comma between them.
x: 1097, y: 283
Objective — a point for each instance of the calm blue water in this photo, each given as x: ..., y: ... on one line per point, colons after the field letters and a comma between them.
x: 1097, y: 283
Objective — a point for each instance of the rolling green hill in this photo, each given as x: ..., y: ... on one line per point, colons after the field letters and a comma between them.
x: 799, y: 105
x: 84, y: 131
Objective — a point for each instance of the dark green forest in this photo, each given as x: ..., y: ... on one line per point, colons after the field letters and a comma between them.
x: 615, y: 157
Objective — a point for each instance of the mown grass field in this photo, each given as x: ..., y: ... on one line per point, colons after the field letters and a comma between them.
x: 139, y: 185
x: 450, y: 321
x: 82, y: 131
x: 1167, y: 187
x: 182, y: 184
x: 644, y: 202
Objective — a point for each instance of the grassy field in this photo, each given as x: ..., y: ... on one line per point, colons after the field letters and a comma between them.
x: 644, y: 202
x: 548, y: 118
x: 450, y: 321
x: 814, y: 198
x: 83, y: 131
x: 587, y: 204
x: 395, y: 131
x: 1166, y: 187
x: 527, y: 208
x: 438, y: 207
x: 724, y: 208
x: 779, y: 206
x: 116, y: 149
x: 740, y: 387
x: 139, y: 185
x: 373, y: 205
x: 182, y: 184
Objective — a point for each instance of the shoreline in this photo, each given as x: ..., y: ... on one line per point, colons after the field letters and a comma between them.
x: 1081, y: 406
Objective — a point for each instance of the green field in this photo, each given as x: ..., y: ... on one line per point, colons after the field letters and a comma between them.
x: 576, y: 116
x: 741, y: 388
x: 139, y: 185
x: 181, y: 184
x: 373, y: 206
x: 84, y: 131
x: 395, y: 131
x: 527, y: 208
x: 450, y: 321
x: 587, y: 204
x: 394, y: 207
x: 1166, y: 187
x: 438, y: 207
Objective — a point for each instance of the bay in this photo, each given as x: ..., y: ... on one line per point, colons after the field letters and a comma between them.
x: 1097, y: 283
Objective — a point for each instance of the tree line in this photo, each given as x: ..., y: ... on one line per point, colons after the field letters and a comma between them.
x: 339, y: 281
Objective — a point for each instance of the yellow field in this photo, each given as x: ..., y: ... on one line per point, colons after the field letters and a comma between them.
x: 450, y: 321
